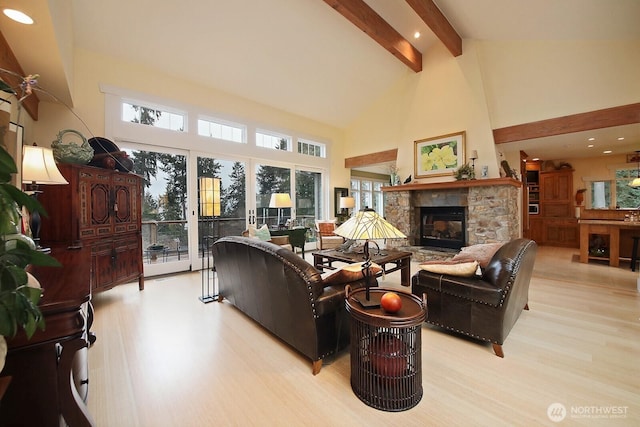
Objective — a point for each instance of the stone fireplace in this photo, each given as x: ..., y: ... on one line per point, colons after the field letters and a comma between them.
x: 490, y: 207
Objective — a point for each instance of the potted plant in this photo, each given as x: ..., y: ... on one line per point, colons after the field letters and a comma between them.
x: 19, y: 291
x: 465, y: 172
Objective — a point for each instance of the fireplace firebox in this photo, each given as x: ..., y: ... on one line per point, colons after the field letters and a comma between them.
x: 443, y: 227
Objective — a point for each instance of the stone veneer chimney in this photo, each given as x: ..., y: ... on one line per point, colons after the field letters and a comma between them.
x: 492, y: 213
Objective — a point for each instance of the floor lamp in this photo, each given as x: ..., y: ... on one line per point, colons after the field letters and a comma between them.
x: 39, y: 168
x: 209, y: 198
x: 368, y: 225
x: 279, y: 201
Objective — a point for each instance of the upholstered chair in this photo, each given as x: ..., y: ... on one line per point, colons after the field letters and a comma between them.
x: 326, y: 238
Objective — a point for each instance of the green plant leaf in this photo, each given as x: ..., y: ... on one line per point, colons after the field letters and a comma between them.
x: 7, y: 164
x: 32, y: 294
x: 13, y: 277
x: 42, y: 259
x: 6, y: 88
x: 23, y: 199
x: 7, y: 324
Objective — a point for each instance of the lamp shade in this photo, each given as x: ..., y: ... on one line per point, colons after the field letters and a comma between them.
x: 39, y: 166
x: 347, y: 202
x: 209, y: 196
x: 280, y: 200
x: 368, y: 225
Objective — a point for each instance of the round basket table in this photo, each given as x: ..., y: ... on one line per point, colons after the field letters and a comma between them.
x: 386, y: 356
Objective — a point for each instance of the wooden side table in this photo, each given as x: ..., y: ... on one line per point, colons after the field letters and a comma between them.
x: 386, y: 351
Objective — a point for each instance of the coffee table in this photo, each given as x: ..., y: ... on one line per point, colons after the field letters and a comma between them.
x: 401, y: 260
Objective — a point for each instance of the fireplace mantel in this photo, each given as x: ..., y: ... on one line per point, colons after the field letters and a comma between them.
x: 455, y: 184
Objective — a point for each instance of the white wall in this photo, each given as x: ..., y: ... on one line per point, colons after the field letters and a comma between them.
x: 527, y: 81
x: 492, y: 85
x: 446, y: 97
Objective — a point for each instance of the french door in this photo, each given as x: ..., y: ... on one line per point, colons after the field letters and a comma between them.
x: 192, y: 198
x: 221, y: 201
x: 165, y: 208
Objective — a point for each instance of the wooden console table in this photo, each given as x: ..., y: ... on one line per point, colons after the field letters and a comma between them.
x: 49, y: 372
x: 610, y: 228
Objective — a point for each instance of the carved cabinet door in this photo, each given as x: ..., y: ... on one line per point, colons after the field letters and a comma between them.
x: 125, y: 209
x: 95, y: 203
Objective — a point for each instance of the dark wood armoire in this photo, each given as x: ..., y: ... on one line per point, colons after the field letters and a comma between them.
x: 98, y: 211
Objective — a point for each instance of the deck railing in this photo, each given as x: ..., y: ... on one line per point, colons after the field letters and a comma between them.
x: 169, y: 240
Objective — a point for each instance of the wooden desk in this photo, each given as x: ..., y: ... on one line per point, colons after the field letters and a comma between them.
x: 606, y: 227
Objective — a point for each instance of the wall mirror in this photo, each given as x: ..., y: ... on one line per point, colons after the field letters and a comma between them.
x: 337, y: 193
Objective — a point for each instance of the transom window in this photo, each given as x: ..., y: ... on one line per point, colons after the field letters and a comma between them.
x: 311, y: 148
x: 273, y: 140
x: 219, y: 129
x: 153, y: 116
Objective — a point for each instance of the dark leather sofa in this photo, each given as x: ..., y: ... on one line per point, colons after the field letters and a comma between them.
x: 483, y: 307
x: 283, y: 293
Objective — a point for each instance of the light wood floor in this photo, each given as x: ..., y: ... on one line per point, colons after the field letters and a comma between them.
x: 163, y: 358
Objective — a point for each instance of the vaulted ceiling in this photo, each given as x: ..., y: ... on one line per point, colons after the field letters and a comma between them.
x: 299, y: 56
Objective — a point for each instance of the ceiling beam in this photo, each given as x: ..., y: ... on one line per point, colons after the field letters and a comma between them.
x: 439, y: 24
x: 608, y: 117
x: 364, y: 17
x: 371, y: 159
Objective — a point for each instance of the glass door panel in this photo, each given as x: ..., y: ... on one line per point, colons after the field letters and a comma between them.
x: 272, y: 180
x: 165, y: 237
x: 308, y: 201
x: 221, y: 210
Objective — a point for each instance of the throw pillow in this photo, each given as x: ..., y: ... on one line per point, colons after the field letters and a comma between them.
x: 451, y: 268
x: 262, y: 233
x: 482, y: 253
x: 350, y: 273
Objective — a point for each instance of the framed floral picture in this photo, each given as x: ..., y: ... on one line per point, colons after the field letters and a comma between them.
x: 439, y: 156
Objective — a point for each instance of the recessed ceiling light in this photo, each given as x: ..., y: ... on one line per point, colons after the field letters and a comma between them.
x: 606, y: 152
x: 591, y: 139
x: 590, y: 146
x: 621, y: 138
x: 416, y: 35
x: 535, y: 159
x: 18, y: 16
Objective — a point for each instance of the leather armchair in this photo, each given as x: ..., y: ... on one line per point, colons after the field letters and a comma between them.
x: 483, y: 307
